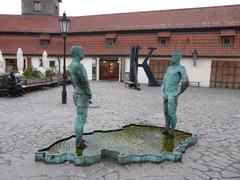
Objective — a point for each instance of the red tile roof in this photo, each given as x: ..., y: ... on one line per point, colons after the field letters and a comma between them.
x: 207, y: 45
x: 219, y: 16
x: 228, y: 32
x: 111, y: 36
x: 18, y: 23
x: 164, y: 34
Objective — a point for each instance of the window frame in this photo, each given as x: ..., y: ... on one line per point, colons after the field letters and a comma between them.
x: 110, y: 43
x: 37, y: 6
x: 161, y: 39
x: 50, y: 63
x: 228, y: 44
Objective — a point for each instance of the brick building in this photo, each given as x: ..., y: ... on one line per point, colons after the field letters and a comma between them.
x: 213, y: 32
x: 40, y: 7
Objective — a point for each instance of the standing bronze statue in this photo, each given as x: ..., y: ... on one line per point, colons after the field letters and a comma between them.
x: 170, y: 91
x: 82, y: 94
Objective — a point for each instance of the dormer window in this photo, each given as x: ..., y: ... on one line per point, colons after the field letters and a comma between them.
x: 44, y: 44
x: 227, y: 41
x: 227, y: 38
x: 110, y: 39
x: 109, y: 43
x: 163, y: 38
x: 37, y: 6
x: 163, y: 42
x: 44, y: 41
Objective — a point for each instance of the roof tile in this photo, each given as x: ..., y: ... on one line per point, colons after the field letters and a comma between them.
x: 94, y: 45
x: 219, y: 16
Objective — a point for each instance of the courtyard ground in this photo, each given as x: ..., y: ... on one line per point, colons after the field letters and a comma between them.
x: 38, y: 119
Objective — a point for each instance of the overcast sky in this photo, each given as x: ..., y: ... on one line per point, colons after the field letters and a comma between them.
x: 90, y: 7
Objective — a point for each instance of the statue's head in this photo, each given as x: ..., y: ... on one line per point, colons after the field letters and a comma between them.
x: 77, y: 51
x: 176, y: 57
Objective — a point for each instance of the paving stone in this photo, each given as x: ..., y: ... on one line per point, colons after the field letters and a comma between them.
x: 201, y: 174
x: 214, y: 175
x: 39, y: 178
x: 163, y: 178
x: 112, y: 176
x: 38, y: 119
x: 229, y: 174
x: 98, y: 174
x: 233, y: 169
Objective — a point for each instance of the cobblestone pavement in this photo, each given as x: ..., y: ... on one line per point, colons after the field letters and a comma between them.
x: 38, y: 119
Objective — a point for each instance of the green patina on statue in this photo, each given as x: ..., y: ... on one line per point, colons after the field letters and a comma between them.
x: 82, y: 92
x: 170, y: 91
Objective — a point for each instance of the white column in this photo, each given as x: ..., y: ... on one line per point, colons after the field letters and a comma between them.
x: 120, y: 69
x: 98, y: 69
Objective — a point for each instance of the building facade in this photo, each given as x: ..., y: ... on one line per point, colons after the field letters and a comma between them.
x: 40, y: 7
x: 212, y: 33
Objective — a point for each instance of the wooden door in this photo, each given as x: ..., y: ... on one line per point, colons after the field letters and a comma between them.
x: 225, y: 74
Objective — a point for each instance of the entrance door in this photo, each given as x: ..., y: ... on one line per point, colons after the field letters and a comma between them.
x: 225, y: 74
x: 109, y: 70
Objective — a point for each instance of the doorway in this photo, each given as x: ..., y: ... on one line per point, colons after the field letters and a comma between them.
x: 11, y: 64
x: 109, y: 70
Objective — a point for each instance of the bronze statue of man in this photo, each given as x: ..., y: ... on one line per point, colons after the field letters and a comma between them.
x: 82, y: 93
x: 170, y: 91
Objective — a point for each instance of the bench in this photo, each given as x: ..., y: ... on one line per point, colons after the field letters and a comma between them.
x: 195, y: 83
x: 129, y: 83
x: 4, y: 92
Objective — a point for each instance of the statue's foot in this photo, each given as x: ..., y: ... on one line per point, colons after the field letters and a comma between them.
x: 172, y: 133
x: 82, y: 145
x: 79, y: 151
x: 165, y: 132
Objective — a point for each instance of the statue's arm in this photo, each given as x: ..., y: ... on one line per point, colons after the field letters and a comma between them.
x: 74, y: 85
x: 185, y: 80
x: 85, y: 83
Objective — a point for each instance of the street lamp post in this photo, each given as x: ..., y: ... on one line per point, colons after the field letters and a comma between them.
x: 64, y: 25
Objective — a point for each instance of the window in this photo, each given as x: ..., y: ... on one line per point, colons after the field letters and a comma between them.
x: 110, y: 43
x: 52, y: 64
x: 227, y: 41
x: 37, y: 6
x: 44, y: 44
x: 40, y: 62
x: 163, y: 41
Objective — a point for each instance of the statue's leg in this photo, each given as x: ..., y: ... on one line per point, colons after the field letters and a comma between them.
x: 167, y: 118
x: 172, y: 108
x: 80, y: 120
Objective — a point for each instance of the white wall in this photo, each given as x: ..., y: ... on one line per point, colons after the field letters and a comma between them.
x: 199, y: 73
x: 36, y: 62
x: 127, y: 64
x: 87, y: 62
x: 142, y: 77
